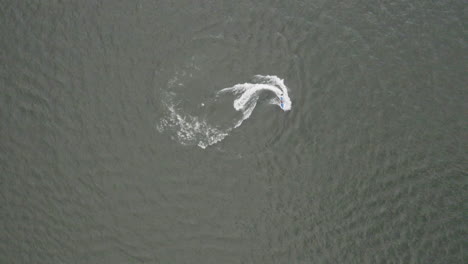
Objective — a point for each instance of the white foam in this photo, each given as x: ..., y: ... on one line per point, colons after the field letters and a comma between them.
x: 248, y: 94
x: 190, y: 130
x: 193, y: 130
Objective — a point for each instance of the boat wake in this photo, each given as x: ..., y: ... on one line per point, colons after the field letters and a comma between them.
x: 213, y: 120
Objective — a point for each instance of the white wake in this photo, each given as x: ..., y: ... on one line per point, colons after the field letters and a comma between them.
x: 203, y: 129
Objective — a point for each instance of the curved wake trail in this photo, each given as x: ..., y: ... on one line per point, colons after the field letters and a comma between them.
x: 248, y: 94
x: 203, y: 131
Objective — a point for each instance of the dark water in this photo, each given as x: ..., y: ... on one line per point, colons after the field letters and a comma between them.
x: 369, y: 166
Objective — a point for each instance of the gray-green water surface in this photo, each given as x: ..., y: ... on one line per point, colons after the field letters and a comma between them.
x: 369, y: 166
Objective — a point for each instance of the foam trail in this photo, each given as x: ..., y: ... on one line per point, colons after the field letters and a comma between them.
x: 248, y: 94
x: 190, y: 130
x: 202, y: 131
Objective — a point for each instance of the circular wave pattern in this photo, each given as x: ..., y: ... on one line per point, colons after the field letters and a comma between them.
x: 203, y: 129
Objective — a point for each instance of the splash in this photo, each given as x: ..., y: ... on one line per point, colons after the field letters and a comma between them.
x: 190, y: 130
x: 205, y: 129
x: 248, y: 95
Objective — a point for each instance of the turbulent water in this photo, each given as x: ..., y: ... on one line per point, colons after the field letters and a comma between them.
x: 202, y: 130
x: 246, y: 131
